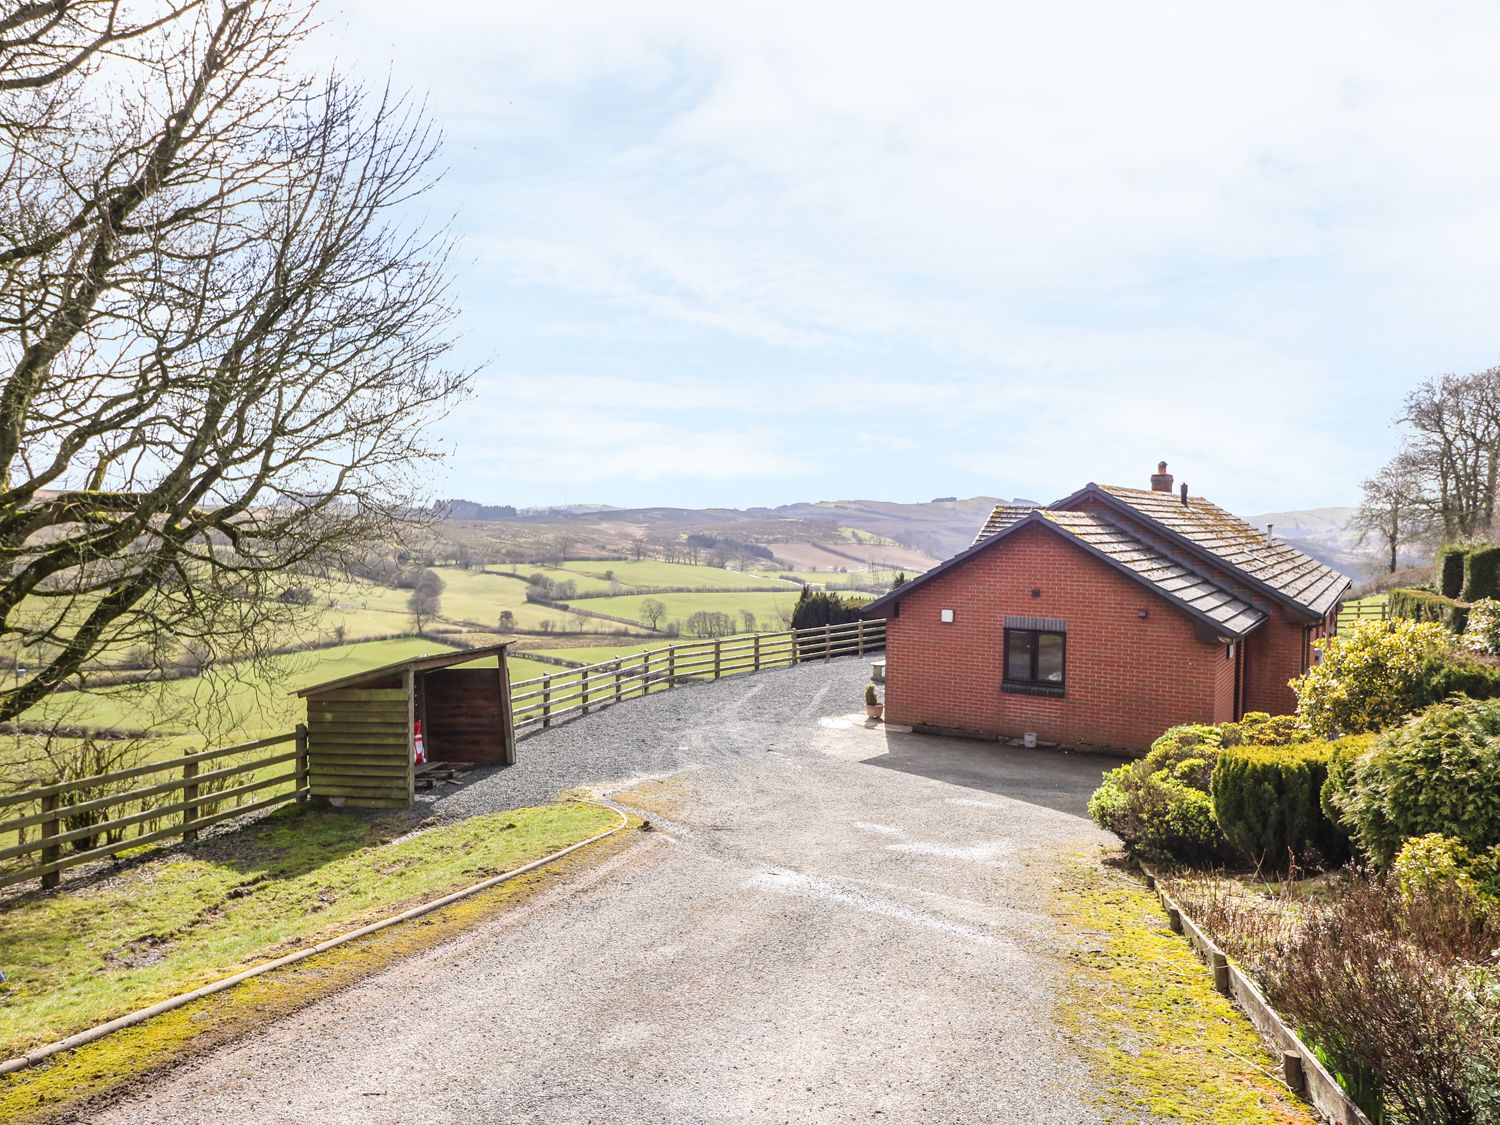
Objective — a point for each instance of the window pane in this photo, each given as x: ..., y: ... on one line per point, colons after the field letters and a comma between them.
x: 1018, y: 644
x: 1049, y: 661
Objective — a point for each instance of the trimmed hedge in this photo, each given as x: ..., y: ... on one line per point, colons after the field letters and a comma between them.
x: 1422, y: 605
x: 1482, y: 573
x: 1450, y: 570
x: 1440, y: 773
x: 1268, y: 801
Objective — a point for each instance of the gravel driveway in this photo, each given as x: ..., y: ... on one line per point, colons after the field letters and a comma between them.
x: 832, y: 922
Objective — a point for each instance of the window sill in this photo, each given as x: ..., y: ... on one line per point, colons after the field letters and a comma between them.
x: 1053, y: 691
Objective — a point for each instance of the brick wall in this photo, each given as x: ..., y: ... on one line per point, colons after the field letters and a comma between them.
x: 1128, y: 678
x: 1274, y: 654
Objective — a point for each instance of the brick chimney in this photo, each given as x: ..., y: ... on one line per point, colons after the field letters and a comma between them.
x: 1161, y: 480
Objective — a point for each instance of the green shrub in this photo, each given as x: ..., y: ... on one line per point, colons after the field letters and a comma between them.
x: 1450, y: 569
x: 1440, y: 773
x: 1482, y: 633
x: 1257, y: 728
x: 1482, y: 573
x: 1434, y: 864
x: 1371, y: 676
x: 1423, y: 605
x: 1268, y: 802
x: 1457, y: 674
x: 1160, y: 805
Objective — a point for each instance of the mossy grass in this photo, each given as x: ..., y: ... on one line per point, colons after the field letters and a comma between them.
x: 1142, y: 1010
x: 78, y: 957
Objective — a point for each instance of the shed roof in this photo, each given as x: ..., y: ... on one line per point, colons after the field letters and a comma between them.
x: 424, y: 663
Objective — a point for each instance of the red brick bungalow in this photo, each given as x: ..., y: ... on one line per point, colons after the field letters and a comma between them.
x: 1103, y: 619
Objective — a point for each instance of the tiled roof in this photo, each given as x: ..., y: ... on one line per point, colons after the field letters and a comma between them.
x: 1171, y: 579
x: 1003, y: 517
x: 1297, y: 577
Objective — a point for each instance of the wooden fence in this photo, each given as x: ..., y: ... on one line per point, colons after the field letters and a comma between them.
x: 1352, y: 613
x: 541, y: 701
x: 92, y: 818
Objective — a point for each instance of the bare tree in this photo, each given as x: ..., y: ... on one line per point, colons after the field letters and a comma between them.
x: 1452, y: 449
x: 424, y: 603
x: 218, y: 341
x: 1392, y: 512
x: 652, y: 611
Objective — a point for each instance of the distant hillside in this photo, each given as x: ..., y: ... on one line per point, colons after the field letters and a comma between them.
x: 821, y: 536
x: 1324, y: 533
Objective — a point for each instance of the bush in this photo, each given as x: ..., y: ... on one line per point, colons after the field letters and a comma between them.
x: 1267, y: 800
x: 1440, y: 772
x: 1257, y: 728
x: 1160, y: 805
x: 1438, y: 864
x: 1422, y: 605
x: 1371, y: 676
x: 1482, y: 633
x: 1395, y: 989
x: 1482, y: 573
x: 1450, y: 570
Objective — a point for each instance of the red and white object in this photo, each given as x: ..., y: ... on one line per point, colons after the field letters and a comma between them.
x: 419, y: 747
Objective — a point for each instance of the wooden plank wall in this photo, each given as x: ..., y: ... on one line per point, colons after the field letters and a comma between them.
x: 463, y: 716
x: 359, y: 747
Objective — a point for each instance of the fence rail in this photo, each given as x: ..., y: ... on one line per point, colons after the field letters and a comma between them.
x: 1352, y: 613
x: 543, y: 700
x: 105, y: 814
x: 67, y: 823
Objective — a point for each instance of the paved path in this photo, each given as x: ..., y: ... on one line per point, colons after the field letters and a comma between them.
x: 846, y: 927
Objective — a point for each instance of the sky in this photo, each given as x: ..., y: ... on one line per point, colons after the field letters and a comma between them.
x: 730, y: 254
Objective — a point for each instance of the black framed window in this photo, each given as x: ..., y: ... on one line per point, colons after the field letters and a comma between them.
x: 1035, y: 661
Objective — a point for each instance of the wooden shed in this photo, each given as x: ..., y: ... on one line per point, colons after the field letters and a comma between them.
x: 360, y: 727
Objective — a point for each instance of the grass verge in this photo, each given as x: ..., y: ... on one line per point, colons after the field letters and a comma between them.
x: 78, y: 958
x: 1142, y: 1009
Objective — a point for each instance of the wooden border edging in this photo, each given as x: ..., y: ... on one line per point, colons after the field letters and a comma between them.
x: 1305, y: 1073
x: 39, y: 1054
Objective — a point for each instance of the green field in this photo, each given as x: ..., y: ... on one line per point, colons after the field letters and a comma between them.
x: 649, y: 572
x: 766, y: 606
x: 597, y: 654
x: 238, y: 708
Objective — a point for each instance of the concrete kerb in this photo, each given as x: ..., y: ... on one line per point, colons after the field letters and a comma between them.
x: 82, y: 1038
x: 1305, y: 1073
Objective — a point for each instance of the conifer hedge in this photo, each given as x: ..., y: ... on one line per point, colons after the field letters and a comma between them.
x: 1450, y: 570
x: 1482, y: 573
x: 1422, y: 605
x: 1268, y: 802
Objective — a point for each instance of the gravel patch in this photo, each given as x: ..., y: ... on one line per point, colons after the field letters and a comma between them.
x: 832, y: 922
x: 696, y: 725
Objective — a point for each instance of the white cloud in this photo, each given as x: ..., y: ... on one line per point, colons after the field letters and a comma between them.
x: 1093, y: 234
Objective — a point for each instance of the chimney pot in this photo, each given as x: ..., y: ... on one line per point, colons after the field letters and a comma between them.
x: 1161, y: 480
x: 1184, y: 495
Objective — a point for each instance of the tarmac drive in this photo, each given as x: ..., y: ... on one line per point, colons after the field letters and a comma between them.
x: 849, y: 926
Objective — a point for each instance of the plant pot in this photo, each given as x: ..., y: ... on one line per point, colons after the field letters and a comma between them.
x: 874, y: 710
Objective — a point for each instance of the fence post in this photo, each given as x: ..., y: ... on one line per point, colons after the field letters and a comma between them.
x: 859, y: 632
x: 52, y: 852
x: 718, y: 653
x: 757, y: 652
x: 303, y: 783
x: 189, y: 798
x: 671, y: 666
x: 617, y: 678
x: 546, y: 701
x: 583, y: 683
x: 827, y: 642
x: 646, y: 672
